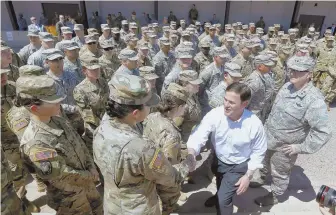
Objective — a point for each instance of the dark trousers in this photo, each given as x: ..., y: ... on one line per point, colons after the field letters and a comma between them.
x: 227, y: 175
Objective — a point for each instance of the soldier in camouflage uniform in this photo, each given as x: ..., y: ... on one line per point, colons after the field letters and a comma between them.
x: 206, y: 31
x: 166, y: 32
x: 117, y: 41
x: 10, y: 143
x: 232, y: 74
x: 228, y: 42
x: 243, y: 58
x: 90, y: 47
x: 163, y: 63
x: 91, y: 96
x: 131, y: 42
x: 33, y: 46
x: 124, y: 29
x: 325, y: 56
x: 203, y: 58
x: 6, y: 63
x: 183, y: 27
x: 321, y: 42
x: 279, y: 72
x: 153, y: 46
x: 143, y: 54
x: 298, y: 124
x: 330, y: 82
x: 269, y: 35
x: 10, y: 202
x: 211, y: 77
x: 148, y: 73
x: 106, y: 33
x: 259, y: 85
x: 71, y: 62
x: 109, y: 60
x: 79, y: 38
x: 129, y: 62
x: 119, y: 149
x: 193, y: 112
x: 37, y: 58
x: 67, y: 36
x: 55, y: 152
x: 212, y: 38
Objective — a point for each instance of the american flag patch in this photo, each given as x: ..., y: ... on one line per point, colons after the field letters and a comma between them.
x: 157, y: 160
x: 43, y: 155
x: 20, y: 124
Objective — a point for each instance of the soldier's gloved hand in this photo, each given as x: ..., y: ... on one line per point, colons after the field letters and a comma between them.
x: 291, y: 149
x: 94, y: 174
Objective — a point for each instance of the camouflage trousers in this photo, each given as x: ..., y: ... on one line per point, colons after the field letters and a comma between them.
x: 169, y: 197
x: 10, y: 202
x: 280, y: 166
x: 318, y: 78
x: 77, y: 200
x: 19, y: 172
x: 329, y: 89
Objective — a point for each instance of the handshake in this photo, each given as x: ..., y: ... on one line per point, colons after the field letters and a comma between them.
x: 190, y: 160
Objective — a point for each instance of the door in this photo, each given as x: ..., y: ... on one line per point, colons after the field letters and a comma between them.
x: 311, y: 20
x: 50, y: 9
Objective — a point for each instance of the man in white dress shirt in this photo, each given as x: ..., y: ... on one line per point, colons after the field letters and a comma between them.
x: 239, y: 141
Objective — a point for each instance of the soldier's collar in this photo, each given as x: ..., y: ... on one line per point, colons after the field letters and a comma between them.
x: 302, y: 92
x: 47, y: 128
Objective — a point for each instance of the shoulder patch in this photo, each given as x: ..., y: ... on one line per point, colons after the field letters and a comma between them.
x: 157, y: 160
x: 41, y: 155
x: 20, y: 124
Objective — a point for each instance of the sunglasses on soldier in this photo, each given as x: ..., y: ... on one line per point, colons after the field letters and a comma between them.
x: 108, y: 49
x: 92, y: 43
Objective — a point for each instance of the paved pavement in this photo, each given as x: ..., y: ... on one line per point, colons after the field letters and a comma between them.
x: 310, y: 172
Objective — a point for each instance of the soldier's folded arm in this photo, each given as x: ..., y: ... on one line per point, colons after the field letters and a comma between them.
x: 155, y: 167
x: 49, y: 164
x: 320, y: 132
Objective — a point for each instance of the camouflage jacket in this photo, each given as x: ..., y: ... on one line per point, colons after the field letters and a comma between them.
x: 192, y: 116
x: 202, y: 61
x: 109, y: 66
x: 26, y: 51
x: 298, y: 117
x: 246, y: 65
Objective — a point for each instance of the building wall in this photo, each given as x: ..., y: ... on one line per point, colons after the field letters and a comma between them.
x: 274, y: 12
x: 327, y: 9
x: 206, y: 9
x: 6, y: 24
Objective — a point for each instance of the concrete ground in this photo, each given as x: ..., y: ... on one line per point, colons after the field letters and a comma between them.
x: 310, y: 172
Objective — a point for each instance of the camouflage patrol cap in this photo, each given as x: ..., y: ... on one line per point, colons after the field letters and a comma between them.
x: 70, y: 45
x: 52, y: 54
x: 182, y: 21
x: 205, y: 44
x: 183, y: 53
x: 155, y: 24
x: 92, y: 30
x: 124, y: 22
x: 197, y: 23
x: 240, y: 32
x: 106, y: 44
x: 311, y: 30
x: 115, y: 30
x: 331, y: 38
x: 127, y: 54
x: 177, y: 91
x: 239, y: 23
x: 128, y: 37
x: 301, y: 63
x: 233, y: 69
x: 190, y: 76
x: 33, y: 32
x: 172, y: 31
x: 264, y: 59
x: 207, y: 25
x: 328, y: 31
x: 271, y: 28
x: 185, y: 34
x: 244, y: 27
x: 212, y: 27
x: 152, y: 35
x: 46, y: 37
x: 272, y: 54
x: 273, y: 41
x: 4, y: 46
x: 218, y: 25
x: 303, y: 47
x: 228, y: 26
x: 252, y: 24
x: 285, y: 37
x: 132, y: 90
x: 147, y: 72
x: 31, y: 70
x: 144, y: 29
x: 105, y: 27
x: 41, y: 87
x: 291, y: 31
x: 3, y: 71
x: 286, y: 49
x: 230, y: 37
x: 90, y: 62
x: 173, y: 36
x: 90, y: 39
x: 143, y: 45
x: 246, y: 43
x: 66, y: 30
x: 221, y: 52
x: 277, y: 25
x: 280, y: 33
x: 78, y: 27
x: 260, y: 31
x: 166, y: 29
x: 164, y: 41
x: 172, y: 23
x: 255, y: 41
x: 133, y: 25
x: 234, y: 24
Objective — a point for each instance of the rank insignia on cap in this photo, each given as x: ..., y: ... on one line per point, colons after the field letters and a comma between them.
x: 157, y: 160
x: 20, y: 124
x: 43, y: 155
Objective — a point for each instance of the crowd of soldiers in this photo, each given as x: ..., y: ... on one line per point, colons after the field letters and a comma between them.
x: 74, y: 111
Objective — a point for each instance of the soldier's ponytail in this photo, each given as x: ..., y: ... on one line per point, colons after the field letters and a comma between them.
x: 114, y: 109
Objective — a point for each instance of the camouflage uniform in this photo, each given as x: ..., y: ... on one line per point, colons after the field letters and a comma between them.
x: 9, y: 141
x: 74, y: 68
x: 214, y: 42
x: 127, y: 54
x: 80, y: 41
x: 141, y: 171
x: 29, y: 49
x: 259, y: 87
x: 217, y: 94
x: 85, y: 51
x: 91, y: 99
x: 10, y: 202
x: 202, y: 60
x: 279, y: 72
x: 57, y: 154
x: 298, y: 118
x: 246, y: 65
x: 109, y: 61
x: 163, y: 66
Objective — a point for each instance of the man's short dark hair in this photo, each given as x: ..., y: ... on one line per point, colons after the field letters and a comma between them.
x: 242, y: 89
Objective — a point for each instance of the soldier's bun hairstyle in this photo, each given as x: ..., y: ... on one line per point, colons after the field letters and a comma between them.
x: 19, y: 101
x: 168, y: 103
x: 114, y: 109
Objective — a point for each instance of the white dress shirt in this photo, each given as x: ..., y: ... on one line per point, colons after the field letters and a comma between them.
x: 234, y: 141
